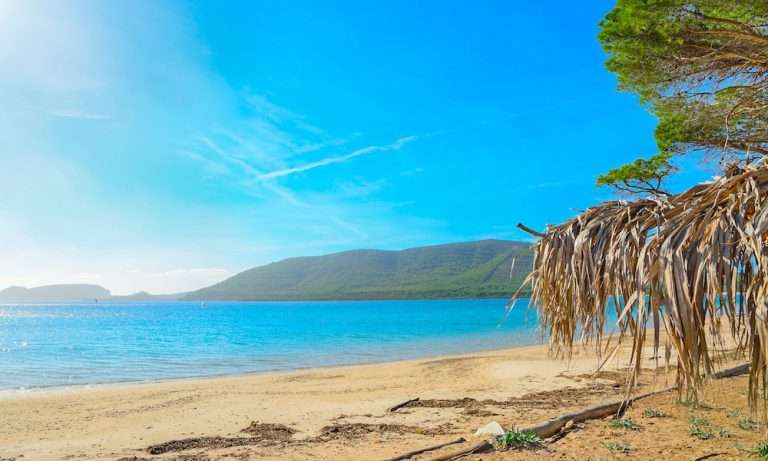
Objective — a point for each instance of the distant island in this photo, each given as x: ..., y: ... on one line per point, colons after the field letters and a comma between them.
x: 64, y: 293
x: 73, y: 293
x: 485, y: 268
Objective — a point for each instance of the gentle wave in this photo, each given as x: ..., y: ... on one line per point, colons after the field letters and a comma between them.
x: 63, y: 345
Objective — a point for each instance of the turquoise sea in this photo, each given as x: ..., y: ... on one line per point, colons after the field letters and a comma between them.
x: 78, y: 344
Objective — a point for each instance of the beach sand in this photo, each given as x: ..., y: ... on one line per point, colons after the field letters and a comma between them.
x: 114, y: 421
x: 323, y: 414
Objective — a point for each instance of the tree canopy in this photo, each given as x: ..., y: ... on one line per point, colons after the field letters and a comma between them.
x: 640, y: 176
x: 695, y: 264
x: 701, y: 66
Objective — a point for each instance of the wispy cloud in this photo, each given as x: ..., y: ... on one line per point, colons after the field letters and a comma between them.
x: 397, y: 145
x: 346, y: 225
x: 279, y: 114
x: 245, y: 151
x: 254, y: 152
x: 251, y: 172
x: 212, y: 167
x: 290, y: 132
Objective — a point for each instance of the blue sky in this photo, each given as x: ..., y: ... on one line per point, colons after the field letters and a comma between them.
x: 162, y: 146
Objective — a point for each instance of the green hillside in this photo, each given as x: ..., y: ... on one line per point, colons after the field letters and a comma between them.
x: 472, y: 269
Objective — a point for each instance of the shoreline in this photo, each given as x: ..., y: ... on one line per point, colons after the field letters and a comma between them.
x: 112, y: 421
x: 66, y: 388
x: 124, y: 302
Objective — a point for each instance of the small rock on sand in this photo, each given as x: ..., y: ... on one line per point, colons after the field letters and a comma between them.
x: 492, y: 428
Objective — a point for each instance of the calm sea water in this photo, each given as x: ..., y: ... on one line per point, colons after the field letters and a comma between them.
x: 61, y: 345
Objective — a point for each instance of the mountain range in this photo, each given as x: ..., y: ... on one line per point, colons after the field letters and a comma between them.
x: 482, y: 268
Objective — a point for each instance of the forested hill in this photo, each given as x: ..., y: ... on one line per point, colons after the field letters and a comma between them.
x: 472, y: 269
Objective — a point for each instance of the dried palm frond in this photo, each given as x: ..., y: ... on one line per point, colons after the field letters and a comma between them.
x: 693, y: 266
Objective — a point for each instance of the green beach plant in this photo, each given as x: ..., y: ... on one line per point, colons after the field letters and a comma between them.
x: 700, y: 432
x: 695, y: 404
x: 747, y: 424
x: 698, y: 421
x: 701, y: 429
x: 624, y: 423
x: 654, y: 413
x: 515, y: 439
x: 760, y: 451
x: 724, y: 433
x: 618, y: 447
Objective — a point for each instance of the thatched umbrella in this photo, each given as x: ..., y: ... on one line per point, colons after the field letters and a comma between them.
x: 693, y: 265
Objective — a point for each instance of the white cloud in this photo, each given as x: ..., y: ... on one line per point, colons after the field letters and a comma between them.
x: 397, y: 145
x: 265, y: 140
x: 244, y: 166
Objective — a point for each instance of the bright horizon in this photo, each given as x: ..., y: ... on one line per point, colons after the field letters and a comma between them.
x: 157, y: 146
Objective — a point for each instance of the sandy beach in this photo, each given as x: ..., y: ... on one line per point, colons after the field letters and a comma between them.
x: 336, y: 413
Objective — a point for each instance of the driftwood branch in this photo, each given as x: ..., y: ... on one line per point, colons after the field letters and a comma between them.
x: 553, y: 426
x: 735, y: 371
x: 527, y: 229
x: 413, y: 453
x: 710, y: 455
x: 402, y: 404
x: 481, y: 447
